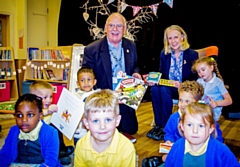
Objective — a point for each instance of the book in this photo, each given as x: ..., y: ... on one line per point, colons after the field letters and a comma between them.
x: 145, y: 76
x: 154, y: 77
x: 65, y: 74
x: 130, y: 91
x: 131, y: 138
x: 32, y: 53
x: 166, y: 82
x: 164, y: 147
x: 50, y: 74
x: 70, y: 111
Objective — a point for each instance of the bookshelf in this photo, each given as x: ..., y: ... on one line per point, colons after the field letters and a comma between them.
x: 8, y: 79
x: 44, y: 62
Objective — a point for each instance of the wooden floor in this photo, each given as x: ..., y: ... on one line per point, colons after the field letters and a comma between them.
x: 147, y: 147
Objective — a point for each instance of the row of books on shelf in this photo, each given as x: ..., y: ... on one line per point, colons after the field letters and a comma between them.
x: 47, y: 73
x: 5, y: 73
x: 5, y: 55
x: 47, y: 54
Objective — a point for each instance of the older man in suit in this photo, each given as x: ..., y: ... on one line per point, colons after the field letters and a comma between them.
x: 110, y: 55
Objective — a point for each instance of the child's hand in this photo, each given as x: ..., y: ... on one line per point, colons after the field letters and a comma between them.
x: 213, y: 103
x: 151, y: 84
x: 137, y: 75
x: 164, y: 157
x: 52, y: 108
x: 176, y: 83
x: 168, y: 142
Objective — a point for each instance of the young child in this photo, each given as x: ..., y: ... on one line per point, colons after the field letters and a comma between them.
x: 103, y: 145
x: 28, y: 141
x: 212, y: 82
x: 189, y: 91
x: 45, y: 91
x: 85, y: 81
x: 198, y: 147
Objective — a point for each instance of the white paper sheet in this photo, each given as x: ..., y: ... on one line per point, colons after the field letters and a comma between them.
x: 70, y: 111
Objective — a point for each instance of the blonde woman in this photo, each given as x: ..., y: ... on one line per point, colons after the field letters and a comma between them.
x: 176, y: 60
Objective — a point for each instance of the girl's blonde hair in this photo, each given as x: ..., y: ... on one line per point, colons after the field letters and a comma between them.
x: 101, y: 101
x: 184, y: 44
x: 203, y: 110
x: 209, y: 61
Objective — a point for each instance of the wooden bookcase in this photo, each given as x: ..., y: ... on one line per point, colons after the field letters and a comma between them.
x: 8, y: 73
x: 54, y: 59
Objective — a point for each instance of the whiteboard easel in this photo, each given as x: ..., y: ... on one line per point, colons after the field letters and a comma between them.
x: 77, y: 54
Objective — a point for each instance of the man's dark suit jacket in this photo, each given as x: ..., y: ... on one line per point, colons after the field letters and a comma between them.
x: 97, y: 57
x: 189, y: 56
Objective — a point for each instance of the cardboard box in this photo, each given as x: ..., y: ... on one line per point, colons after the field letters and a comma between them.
x: 4, y: 91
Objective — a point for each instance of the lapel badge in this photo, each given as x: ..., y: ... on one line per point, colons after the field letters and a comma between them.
x: 184, y: 62
x: 127, y: 51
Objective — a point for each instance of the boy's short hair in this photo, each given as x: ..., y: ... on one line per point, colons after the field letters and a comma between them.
x: 102, y: 100
x: 192, y: 87
x: 85, y: 70
x: 36, y: 85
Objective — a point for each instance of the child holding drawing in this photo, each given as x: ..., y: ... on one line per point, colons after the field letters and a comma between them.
x: 45, y: 91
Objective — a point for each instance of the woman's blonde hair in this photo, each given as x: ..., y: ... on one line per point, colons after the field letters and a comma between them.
x: 101, y: 101
x: 184, y: 44
x: 203, y: 110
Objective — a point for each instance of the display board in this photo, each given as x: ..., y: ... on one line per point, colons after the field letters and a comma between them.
x: 77, y: 55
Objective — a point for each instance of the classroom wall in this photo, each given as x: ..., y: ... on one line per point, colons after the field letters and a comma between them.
x: 53, y: 17
x: 8, y: 7
x: 19, y: 25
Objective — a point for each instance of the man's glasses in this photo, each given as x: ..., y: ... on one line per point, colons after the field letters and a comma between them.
x: 119, y: 26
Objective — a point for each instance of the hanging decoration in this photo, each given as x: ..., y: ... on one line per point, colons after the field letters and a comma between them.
x: 136, y: 10
x: 154, y: 8
x: 124, y: 6
x: 85, y: 16
x: 141, y: 15
x: 110, y: 1
x: 169, y: 2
